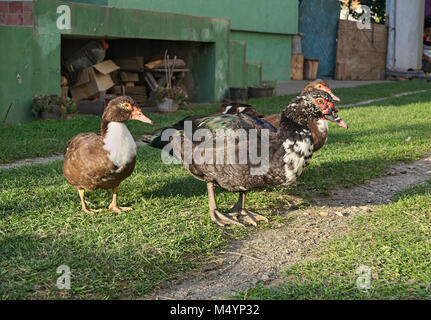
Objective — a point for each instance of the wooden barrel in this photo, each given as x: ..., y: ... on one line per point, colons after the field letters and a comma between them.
x: 238, y: 94
x: 260, y: 92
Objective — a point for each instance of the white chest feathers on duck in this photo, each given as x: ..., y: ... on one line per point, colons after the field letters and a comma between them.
x: 120, y: 144
x: 323, y: 127
x: 297, y: 156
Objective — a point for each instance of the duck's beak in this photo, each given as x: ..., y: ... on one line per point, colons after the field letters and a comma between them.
x: 334, y: 97
x: 138, y: 115
x: 333, y: 117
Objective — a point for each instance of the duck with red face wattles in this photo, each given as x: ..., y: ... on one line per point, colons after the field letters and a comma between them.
x: 319, y: 129
x: 289, y: 152
x: 93, y: 161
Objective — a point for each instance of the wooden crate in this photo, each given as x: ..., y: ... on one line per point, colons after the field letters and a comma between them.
x: 138, y: 93
x: 361, y: 53
x: 133, y: 64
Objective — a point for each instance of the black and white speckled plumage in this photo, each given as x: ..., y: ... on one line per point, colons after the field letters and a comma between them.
x: 290, y: 149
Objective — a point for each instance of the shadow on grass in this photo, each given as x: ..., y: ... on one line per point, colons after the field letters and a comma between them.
x: 29, y: 264
x: 185, y: 187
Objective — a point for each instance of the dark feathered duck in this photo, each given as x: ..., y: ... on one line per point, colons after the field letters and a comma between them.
x: 93, y: 161
x: 319, y: 128
x: 290, y: 151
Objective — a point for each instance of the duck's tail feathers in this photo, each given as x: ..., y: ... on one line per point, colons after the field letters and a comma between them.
x: 154, y: 141
x: 147, y: 138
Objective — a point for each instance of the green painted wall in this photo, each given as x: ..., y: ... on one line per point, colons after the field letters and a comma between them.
x: 253, y: 73
x: 16, y: 39
x: 266, y: 26
x: 273, y: 16
x: 274, y: 50
x: 237, y: 63
x: 98, y: 2
x: 29, y: 67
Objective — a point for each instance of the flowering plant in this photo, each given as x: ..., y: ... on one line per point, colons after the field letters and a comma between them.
x: 53, y: 103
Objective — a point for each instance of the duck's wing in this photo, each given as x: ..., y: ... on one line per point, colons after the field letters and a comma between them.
x: 86, y: 162
x: 223, y: 122
x: 225, y: 151
x: 258, y: 122
x: 204, y: 132
x: 239, y: 108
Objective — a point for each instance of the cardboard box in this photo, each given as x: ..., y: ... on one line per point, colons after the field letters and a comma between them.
x: 93, y: 80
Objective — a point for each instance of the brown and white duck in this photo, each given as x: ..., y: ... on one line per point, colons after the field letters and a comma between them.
x: 289, y: 151
x: 93, y: 161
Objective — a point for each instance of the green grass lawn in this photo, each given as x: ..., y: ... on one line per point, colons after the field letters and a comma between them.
x: 393, y: 241
x: 169, y: 231
x: 43, y: 138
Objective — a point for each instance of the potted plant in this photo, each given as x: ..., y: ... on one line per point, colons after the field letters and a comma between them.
x: 53, y: 107
x: 266, y: 89
x: 170, y: 99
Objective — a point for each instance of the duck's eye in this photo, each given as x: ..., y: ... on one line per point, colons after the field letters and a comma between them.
x: 319, y: 86
x: 126, y: 105
x: 319, y: 100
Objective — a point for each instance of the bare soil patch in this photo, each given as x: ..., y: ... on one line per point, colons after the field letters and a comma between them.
x: 38, y: 160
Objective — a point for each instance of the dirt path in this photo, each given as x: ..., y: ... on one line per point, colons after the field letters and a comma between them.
x: 265, y: 254
x: 24, y: 162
